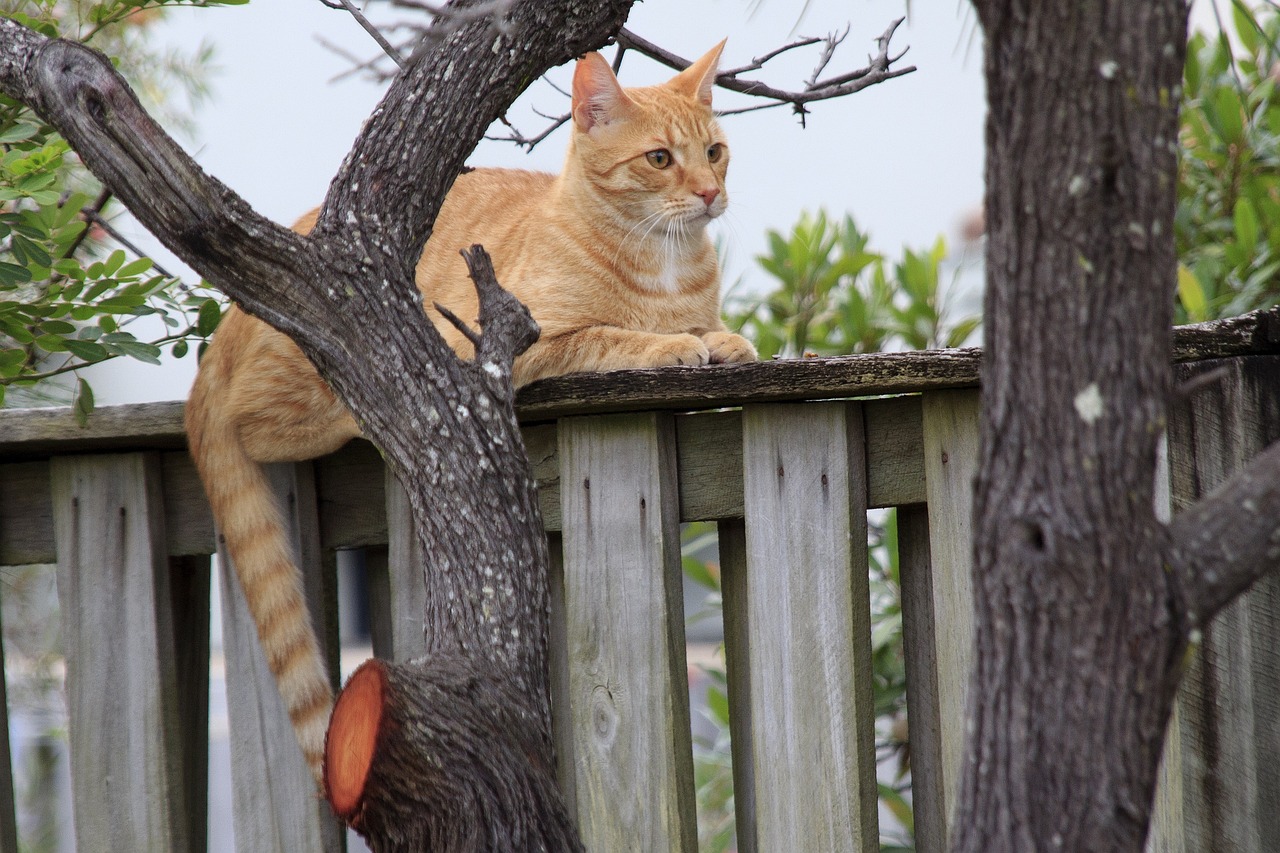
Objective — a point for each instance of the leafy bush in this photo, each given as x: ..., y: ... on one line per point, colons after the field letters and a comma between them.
x: 65, y: 301
x: 1227, y: 224
x: 834, y: 296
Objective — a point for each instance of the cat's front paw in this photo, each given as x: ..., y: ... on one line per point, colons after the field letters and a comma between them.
x: 677, y: 349
x: 728, y: 348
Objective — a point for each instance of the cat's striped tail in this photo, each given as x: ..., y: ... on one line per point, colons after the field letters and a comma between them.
x: 250, y: 522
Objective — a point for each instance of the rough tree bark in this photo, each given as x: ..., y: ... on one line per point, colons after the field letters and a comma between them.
x: 346, y: 295
x: 1084, y: 600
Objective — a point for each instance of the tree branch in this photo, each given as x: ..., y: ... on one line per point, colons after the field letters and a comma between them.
x: 1228, y: 540
x: 877, y: 71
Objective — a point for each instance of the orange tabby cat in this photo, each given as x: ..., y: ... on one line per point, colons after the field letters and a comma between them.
x: 611, y: 257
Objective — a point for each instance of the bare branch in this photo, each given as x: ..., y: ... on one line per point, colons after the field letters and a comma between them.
x: 757, y: 63
x: 459, y: 324
x: 368, y: 27
x: 877, y: 71
x: 830, y: 43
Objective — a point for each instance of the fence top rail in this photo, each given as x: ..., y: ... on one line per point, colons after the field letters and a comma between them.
x: 28, y: 433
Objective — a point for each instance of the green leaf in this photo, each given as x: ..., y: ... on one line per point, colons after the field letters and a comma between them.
x: 51, y: 343
x: 86, y: 350
x: 113, y: 263
x: 58, y: 327
x: 1247, y: 27
x: 11, y: 362
x: 18, y: 132
x: 209, y: 316
x: 83, y: 404
x: 897, y: 804
x: 1191, y: 294
x: 12, y: 275
x: 179, y: 349
x: 134, y: 268
x: 1229, y: 115
x: 1246, y: 224
x: 139, y: 350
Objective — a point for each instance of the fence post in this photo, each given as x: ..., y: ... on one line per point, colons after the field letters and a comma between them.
x: 1226, y: 730
x: 122, y: 685
x: 629, y: 692
x: 274, y: 799
x: 808, y: 619
x: 943, y: 596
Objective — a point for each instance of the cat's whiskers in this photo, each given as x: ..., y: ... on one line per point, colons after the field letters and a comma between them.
x: 635, y: 255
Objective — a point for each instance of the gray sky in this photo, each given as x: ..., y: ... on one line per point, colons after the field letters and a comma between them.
x: 904, y: 157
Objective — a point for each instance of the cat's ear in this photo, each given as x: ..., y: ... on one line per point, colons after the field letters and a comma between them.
x: 597, y: 96
x: 697, y: 80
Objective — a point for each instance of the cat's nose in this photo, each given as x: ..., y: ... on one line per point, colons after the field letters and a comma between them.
x: 707, y: 195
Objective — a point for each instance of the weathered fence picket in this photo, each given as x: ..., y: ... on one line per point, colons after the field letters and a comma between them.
x: 787, y: 478
x: 1228, y: 722
x: 274, y: 803
x: 126, y: 760
x: 808, y: 624
x: 628, y: 687
x: 950, y: 424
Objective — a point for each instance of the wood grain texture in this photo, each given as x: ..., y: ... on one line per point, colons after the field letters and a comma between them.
x: 732, y: 536
x: 26, y: 514
x: 928, y: 795
x: 274, y: 799
x: 351, y: 497
x: 623, y: 606
x: 719, y: 385
x: 809, y: 628
x: 950, y: 422
x: 1229, y: 704
x: 121, y: 678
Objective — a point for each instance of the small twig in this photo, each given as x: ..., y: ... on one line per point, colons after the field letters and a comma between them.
x: 1199, y: 382
x: 98, y: 204
x: 830, y: 43
x: 96, y: 218
x: 876, y: 72
x: 758, y: 63
x: 368, y: 27
x: 460, y: 324
x: 509, y: 328
x: 527, y: 142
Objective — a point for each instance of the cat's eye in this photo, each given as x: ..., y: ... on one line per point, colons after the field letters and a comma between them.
x: 659, y: 159
x: 715, y: 152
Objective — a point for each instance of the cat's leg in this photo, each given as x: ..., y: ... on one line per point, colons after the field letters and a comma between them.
x: 727, y: 348
x: 603, y: 348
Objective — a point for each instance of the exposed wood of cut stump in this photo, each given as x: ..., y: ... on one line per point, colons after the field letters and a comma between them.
x: 423, y: 757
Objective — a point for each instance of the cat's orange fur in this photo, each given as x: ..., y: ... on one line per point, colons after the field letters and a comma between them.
x: 612, y: 259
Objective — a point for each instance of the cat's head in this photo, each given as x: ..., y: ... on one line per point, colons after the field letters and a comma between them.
x: 656, y: 155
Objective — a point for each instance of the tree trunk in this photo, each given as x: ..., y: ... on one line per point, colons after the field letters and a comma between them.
x: 1080, y: 625
x: 447, y: 427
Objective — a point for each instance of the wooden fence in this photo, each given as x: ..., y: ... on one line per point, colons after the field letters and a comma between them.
x: 787, y: 476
